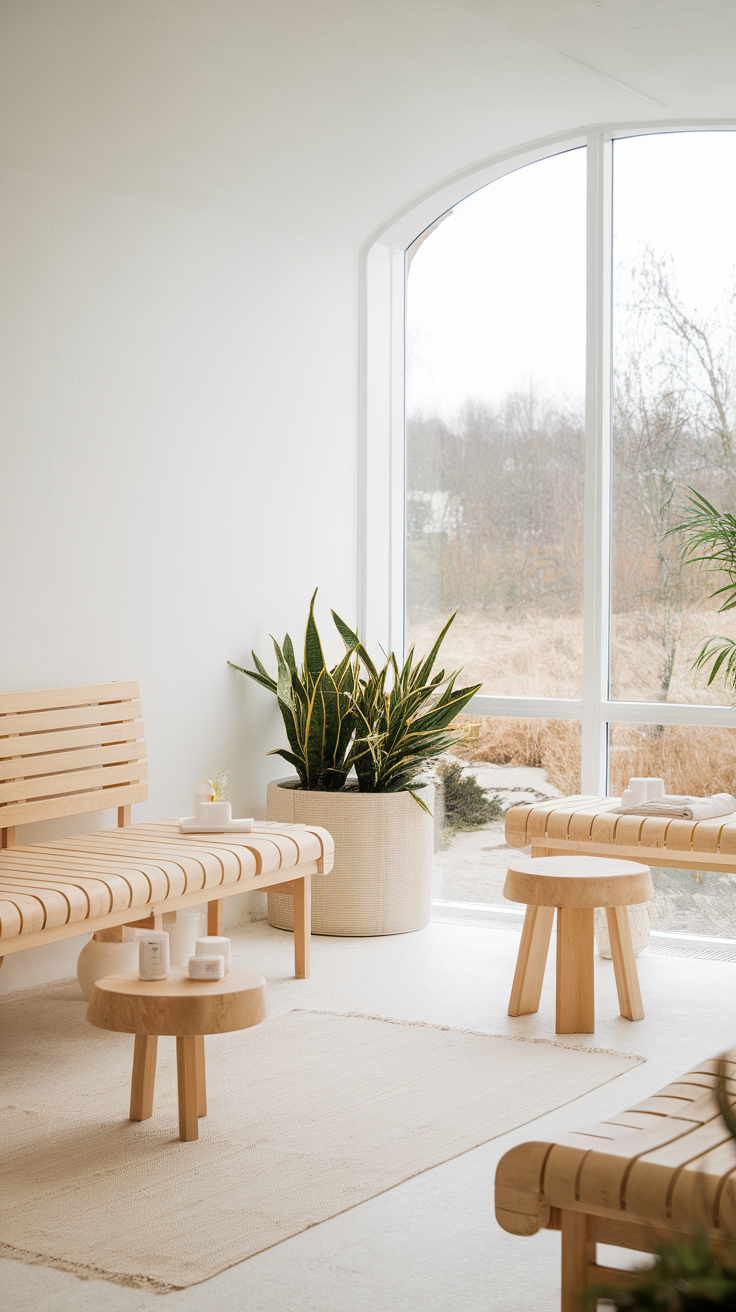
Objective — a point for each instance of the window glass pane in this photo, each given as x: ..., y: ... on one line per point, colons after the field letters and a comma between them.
x: 674, y: 406
x: 501, y: 763
x: 690, y: 760
x: 495, y: 383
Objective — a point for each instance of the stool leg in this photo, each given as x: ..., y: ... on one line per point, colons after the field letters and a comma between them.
x: 529, y: 974
x: 575, y: 997
x: 186, y: 1070
x: 144, y: 1074
x: 201, y: 1078
x: 624, y: 963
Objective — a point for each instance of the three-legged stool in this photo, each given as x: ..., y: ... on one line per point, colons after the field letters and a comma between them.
x: 185, y: 1007
x: 575, y: 886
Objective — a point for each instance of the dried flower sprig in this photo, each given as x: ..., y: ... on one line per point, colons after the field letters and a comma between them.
x: 219, y: 784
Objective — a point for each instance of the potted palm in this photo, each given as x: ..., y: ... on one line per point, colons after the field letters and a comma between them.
x: 360, y: 739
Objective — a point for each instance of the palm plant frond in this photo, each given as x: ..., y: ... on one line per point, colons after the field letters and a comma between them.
x: 708, y: 539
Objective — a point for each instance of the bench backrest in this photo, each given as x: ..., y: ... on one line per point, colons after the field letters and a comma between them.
x: 65, y: 751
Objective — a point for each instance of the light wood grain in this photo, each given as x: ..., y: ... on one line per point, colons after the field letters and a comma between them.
x: 188, y: 1087
x: 178, y: 1005
x: 13, y: 703
x: 526, y: 989
x: 144, y: 1076
x: 657, y: 1173
x: 578, y: 882
x: 575, y: 1007
x: 214, y: 918
x: 624, y: 963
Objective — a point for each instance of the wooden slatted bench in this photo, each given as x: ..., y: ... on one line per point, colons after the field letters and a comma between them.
x: 588, y: 825
x: 69, y: 751
x: 662, y: 1171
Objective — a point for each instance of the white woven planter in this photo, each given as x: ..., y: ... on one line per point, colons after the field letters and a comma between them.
x: 381, y: 882
x: 640, y: 929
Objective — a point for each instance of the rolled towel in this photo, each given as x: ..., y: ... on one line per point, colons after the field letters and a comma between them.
x: 684, y: 808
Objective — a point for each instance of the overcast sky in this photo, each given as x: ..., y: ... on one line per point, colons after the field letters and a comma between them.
x: 497, y: 292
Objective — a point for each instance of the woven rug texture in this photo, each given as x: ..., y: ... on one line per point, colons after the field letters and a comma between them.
x: 308, y: 1114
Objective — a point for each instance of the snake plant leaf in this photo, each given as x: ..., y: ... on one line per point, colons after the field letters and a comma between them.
x: 289, y: 654
x: 262, y: 677
x: 314, y: 660
x: 353, y: 643
x: 425, y: 668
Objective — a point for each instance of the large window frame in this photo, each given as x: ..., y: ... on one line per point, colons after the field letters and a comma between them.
x: 383, y: 443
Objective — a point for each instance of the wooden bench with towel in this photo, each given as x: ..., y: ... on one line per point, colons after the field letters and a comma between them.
x: 70, y: 751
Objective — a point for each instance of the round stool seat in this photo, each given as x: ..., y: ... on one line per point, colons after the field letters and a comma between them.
x: 578, y: 881
x: 178, y: 1005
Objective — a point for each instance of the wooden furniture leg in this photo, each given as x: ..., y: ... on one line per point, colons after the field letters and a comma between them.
x: 201, y: 1076
x: 577, y: 1252
x: 214, y: 917
x: 186, y: 1072
x: 302, y: 925
x: 575, y: 1012
x: 7, y: 836
x: 144, y: 1075
x: 624, y: 963
x: 527, y: 986
x: 123, y: 816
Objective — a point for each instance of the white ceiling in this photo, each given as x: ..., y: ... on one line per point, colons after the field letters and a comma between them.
x: 338, y: 111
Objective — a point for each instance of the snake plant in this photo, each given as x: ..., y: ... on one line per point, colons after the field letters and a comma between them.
x: 316, y: 705
x: 385, y: 723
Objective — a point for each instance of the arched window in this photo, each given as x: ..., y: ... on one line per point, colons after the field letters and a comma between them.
x: 568, y: 324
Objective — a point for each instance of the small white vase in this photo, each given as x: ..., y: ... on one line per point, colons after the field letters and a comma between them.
x: 98, y: 959
x: 640, y: 929
x: 216, y: 815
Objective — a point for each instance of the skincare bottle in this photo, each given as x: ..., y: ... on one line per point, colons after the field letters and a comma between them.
x: 153, y: 954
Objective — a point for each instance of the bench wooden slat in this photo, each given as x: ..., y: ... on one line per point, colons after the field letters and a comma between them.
x: 51, y: 764
x: 26, y: 813
x: 74, y: 717
x: 29, y: 745
x: 12, y: 703
x: 73, y: 781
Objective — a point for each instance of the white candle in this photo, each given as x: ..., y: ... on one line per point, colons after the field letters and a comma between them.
x: 213, y: 944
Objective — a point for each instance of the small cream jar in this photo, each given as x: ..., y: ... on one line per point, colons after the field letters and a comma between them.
x: 207, y: 967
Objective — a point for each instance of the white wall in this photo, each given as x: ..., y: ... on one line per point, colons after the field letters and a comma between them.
x: 178, y: 468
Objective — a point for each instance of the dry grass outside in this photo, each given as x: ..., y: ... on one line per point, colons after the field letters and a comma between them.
x: 552, y: 745
x: 689, y: 758
x: 541, y: 655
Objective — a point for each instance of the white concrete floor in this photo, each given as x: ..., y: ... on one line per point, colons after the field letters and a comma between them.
x: 431, y: 1244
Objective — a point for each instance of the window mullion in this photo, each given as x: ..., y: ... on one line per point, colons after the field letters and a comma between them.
x: 596, y: 571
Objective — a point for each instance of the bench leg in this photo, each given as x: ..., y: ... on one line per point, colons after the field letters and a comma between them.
x: 577, y: 1252
x: 186, y: 1071
x: 201, y: 1077
x: 575, y: 995
x: 526, y: 989
x: 624, y: 963
x: 214, y: 918
x: 302, y: 925
x: 144, y: 1075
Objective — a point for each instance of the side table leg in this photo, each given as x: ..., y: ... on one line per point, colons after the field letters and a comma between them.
x: 575, y: 997
x: 144, y: 1075
x: 201, y: 1077
x: 302, y: 925
x: 624, y: 963
x: 186, y: 1071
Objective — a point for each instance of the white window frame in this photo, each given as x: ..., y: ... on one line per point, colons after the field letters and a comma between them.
x: 383, y: 443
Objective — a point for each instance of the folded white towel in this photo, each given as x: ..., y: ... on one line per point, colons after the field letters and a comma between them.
x: 684, y: 808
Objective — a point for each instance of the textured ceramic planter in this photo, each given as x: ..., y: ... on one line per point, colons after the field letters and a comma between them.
x: 381, y: 882
x: 640, y: 929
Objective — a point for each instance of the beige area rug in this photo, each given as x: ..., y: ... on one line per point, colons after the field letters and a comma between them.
x: 309, y: 1114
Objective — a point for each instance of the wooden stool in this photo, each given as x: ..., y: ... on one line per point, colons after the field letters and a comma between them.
x: 185, y: 1007
x: 575, y: 885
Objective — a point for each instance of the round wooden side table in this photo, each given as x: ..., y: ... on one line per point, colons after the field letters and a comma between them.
x: 575, y: 886
x: 183, y: 1007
